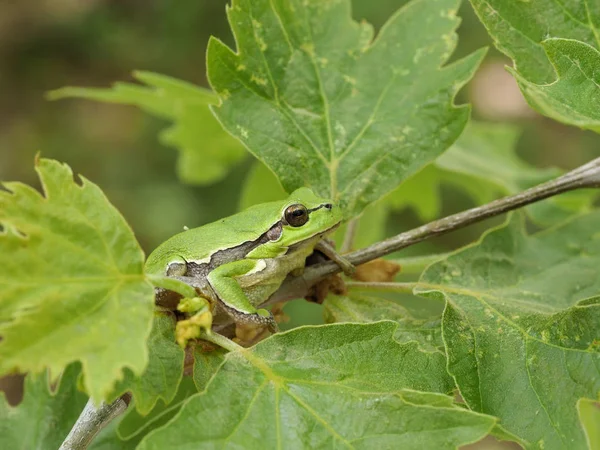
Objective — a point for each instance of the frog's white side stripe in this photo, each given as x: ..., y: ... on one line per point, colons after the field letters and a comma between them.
x: 201, y: 261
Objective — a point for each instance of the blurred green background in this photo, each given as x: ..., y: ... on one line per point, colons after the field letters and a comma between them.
x: 47, y: 44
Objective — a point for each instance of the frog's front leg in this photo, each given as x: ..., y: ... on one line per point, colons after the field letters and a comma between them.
x: 232, y: 297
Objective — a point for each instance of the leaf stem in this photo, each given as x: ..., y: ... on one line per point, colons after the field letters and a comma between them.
x: 221, y: 341
x: 406, y: 288
x: 93, y: 419
x: 415, y: 265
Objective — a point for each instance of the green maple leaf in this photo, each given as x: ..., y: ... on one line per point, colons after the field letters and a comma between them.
x: 206, y: 364
x: 573, y: 98
x: 44, y: 417
x: 134, y: 426
x: 72, y: 285
x: 316, y: 387
x: 521, y: 325
x: 483, y: 163
x: 554, y: 46
x: 160, y: 379
x: 359, y: 308
x: 322, y: 104
x: 207, y: 152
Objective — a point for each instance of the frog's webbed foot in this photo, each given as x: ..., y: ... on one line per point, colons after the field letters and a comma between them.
x: 325, y: 247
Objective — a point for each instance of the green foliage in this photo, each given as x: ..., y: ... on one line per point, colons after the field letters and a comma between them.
x: 521, y: 326
x: 321, y: 103
x: 206, y: 364
x: 207, y: 152
x: 44, y: 417
x: 71, y: 270
x: 302, y: 95
x: 554, y: 46
x: 589, y: 414
x: 573, y: 98
x: 161, y: 378
x: 134, y: 426
x: 317, y: 395
x: 366, y: 309
x: 108, y: 439
x: 483, y: 164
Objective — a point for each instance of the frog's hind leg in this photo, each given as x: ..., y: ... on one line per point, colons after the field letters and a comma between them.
x: 232, y: 297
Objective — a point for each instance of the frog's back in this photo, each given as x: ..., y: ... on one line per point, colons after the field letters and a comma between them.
x: 198, y: 244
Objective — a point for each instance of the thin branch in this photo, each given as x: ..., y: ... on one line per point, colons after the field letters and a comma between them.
x: 221, y: 341
x: 586, y: 176
x: 93, y: 419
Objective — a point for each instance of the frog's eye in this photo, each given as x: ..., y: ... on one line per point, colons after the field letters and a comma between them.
x: 296, y: 215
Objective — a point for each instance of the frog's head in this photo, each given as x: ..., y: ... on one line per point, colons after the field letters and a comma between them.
x: 305, y: 215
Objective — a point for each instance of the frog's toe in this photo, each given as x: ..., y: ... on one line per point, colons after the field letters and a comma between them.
x: 269, y: 320
x: 265, y: 318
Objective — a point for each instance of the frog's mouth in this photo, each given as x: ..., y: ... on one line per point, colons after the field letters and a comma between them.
x: 316, y: 237
x: 331, y: 229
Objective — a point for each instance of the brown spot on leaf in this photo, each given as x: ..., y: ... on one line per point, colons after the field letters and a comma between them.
x: 318, y: 293
x: 378, y: 270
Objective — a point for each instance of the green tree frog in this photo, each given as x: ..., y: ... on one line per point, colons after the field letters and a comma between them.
x: 245, y: 257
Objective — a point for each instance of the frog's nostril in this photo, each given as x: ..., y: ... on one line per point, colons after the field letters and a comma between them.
x: 328, y: 205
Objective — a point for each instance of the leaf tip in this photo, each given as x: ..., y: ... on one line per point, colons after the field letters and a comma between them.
x: 56, y: 94
x: 37, y: 159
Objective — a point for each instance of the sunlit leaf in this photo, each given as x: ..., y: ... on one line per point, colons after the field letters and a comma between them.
x: 573, y: 98
x: 161, y: 378
x: 72, y: 285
